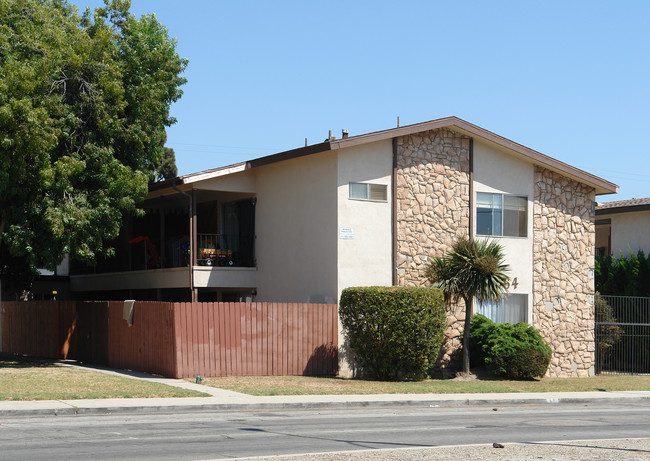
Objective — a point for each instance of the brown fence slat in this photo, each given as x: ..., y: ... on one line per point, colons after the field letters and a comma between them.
x: 206, y: 339
x: 237, y: 327
x: 211, y: 360
x: 276, y: 333
x: 248, y: 311
x: 259, y: 339
x: 220, y: 319
x: 199, y: 308
x: 296, y: 370
x: 186, y: 329
x: 284, y: 339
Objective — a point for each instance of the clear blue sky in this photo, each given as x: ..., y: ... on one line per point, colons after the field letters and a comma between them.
x: 566, y: 78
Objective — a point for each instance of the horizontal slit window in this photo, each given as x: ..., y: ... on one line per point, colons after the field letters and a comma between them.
x: 370, y: 192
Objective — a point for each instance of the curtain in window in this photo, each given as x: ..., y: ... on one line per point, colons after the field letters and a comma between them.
x: 513, y: 309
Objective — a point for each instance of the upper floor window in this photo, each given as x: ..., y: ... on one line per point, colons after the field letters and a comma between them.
x: 371, y: 192
x: 499, y: 214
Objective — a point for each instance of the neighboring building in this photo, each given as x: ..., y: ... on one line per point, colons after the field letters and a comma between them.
x: 302, y: 225
x: 52, y: 284
x: 623, y: 227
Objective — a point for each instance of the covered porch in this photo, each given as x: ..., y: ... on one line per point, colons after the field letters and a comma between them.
x: 191, y: 244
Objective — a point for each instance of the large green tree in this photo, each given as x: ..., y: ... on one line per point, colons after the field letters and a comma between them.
x: 473, y: 269
x: 84, y: 102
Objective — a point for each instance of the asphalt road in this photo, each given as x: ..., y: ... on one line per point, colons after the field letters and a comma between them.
x: 209, y: 435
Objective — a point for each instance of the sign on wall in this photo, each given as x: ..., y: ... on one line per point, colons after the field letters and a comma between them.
x: 346, y: 233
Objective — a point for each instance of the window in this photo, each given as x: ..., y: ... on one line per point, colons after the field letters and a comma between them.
x: 513, y: 309
x: 498, y: 214
x: 371, y: 192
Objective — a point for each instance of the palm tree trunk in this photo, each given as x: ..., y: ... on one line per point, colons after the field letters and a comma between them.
x: 469, y: 308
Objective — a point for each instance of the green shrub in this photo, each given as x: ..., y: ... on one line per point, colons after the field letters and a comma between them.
x: 514, y: 351
x: 480, y: 331
x: 607, y: 333
x: 394, y: 332
x: 627, y: 275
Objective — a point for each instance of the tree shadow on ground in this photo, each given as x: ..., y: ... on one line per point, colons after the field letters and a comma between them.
x: 21, y: 361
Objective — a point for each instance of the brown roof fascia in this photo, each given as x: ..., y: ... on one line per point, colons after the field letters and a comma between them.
x: 602, y: 186
x: 622, y: 209
x: 289, y: 154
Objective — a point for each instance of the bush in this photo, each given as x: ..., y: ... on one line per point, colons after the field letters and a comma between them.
x: 514, y: 351
x: 607, y: 334
x: 480, y: 331
x: 627, y: 275
x: 394, y: 332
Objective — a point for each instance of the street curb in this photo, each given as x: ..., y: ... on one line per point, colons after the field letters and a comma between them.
x: 69, y: 410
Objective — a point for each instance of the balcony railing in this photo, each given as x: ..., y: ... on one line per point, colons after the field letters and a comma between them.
x: 212, y: 250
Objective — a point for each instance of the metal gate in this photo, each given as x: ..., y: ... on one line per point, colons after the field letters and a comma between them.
x: 622, y: 334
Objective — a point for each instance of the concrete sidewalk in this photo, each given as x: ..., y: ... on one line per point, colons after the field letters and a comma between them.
x: 224, y: 400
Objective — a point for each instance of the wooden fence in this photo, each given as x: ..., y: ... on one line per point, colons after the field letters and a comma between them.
x: 179, y: 339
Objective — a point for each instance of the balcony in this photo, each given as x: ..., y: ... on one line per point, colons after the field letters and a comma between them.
x: 154, y: 252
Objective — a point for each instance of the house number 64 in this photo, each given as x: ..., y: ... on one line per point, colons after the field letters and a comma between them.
x: 513, y: 283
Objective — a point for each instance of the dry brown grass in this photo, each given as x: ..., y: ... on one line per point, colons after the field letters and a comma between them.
x: 302, y: 385
x: 21, y: 379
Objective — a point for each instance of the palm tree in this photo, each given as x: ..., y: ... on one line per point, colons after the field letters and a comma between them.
x: 473, y: 269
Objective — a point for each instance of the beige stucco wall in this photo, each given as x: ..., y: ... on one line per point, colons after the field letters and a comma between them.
x: 365, y: 259
x: 630, y: 232
x: 296, y: 230
x: 495, y: 171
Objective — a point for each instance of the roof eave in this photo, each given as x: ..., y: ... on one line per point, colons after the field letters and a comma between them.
x: 289, y: 154
x: 601, y: 186
x: 622, y: 209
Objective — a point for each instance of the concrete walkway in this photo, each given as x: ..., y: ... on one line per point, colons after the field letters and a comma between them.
x: 221, y: 399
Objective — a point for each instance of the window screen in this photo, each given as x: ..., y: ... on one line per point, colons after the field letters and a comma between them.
x: 371, y: 192
x: 514, y: 215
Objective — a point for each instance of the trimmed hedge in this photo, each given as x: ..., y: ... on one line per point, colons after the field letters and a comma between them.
x: 394, y: 332
x: 514, y: 351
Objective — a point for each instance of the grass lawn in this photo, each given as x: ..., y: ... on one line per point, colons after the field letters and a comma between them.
x: 22, y: 379
x: 301, y: 385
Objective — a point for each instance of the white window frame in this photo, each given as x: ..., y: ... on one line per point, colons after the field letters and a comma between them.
x: 501, y: 212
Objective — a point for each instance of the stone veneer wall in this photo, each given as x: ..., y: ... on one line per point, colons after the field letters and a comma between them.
x: 563, y: 272
x: 432, y: 179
